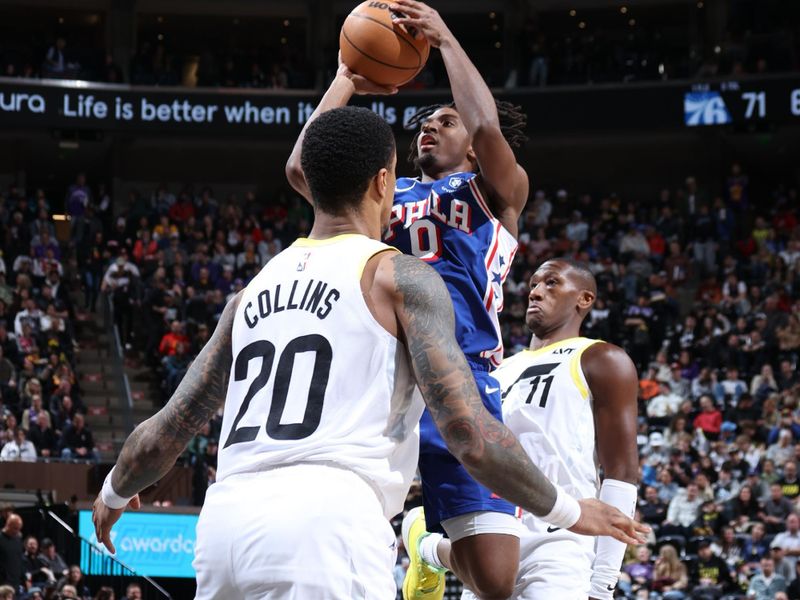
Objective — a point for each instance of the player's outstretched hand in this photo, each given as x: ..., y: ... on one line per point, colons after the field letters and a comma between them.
x: 599, y: 518
x: 364, y: 86
x: 420, y: 18
x: 104, y: 518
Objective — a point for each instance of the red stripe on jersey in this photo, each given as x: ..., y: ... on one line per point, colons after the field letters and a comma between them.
x: 473, y: 185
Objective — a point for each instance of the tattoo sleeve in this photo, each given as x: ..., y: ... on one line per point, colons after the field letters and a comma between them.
x: 486, y: 448
x: 154, y: 446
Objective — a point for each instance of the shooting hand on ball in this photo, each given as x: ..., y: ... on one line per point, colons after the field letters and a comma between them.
x: 420, y: 19
x: 362, y: 85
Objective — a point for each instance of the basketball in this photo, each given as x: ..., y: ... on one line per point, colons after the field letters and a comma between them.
x: 375, y: 47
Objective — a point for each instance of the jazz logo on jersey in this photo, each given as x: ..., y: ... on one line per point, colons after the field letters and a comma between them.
x: 301, y: 266
x: 705, y: 108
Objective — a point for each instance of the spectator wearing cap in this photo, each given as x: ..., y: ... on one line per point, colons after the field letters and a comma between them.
x: 765, y: 585
x: 789, y: 539
x: 759, y: 487
x: 782, y: 564
x: 52, y: 560
x: 709, y: 575
x: 34, y: 593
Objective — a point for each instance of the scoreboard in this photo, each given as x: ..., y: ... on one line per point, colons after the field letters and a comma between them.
x: 735, y: 102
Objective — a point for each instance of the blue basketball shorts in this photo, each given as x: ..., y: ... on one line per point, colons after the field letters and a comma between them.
x: 447, y: 489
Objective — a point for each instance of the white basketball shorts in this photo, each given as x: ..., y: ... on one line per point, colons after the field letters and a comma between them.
x: 554, y: 563
x: 294, y: 533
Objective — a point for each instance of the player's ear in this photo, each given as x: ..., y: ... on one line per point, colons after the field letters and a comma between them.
x: 585, y: 300
x: 472, y: 157
x: 381, y: 182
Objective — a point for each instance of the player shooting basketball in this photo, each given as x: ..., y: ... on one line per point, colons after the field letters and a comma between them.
x: 460, y: 215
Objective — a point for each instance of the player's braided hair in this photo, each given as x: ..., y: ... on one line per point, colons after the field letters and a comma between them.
x: 512, y: 123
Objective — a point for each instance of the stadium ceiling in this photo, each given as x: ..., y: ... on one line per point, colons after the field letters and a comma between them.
x: 295, y: 8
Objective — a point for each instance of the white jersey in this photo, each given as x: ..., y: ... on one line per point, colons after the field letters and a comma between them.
x: 315, y: 378
x: 547, y: 404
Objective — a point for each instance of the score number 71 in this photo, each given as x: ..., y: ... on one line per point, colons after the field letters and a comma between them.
x: 757, y: 104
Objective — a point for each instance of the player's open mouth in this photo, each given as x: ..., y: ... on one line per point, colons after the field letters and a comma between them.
x: 534, y: 308
x: 427, y: 142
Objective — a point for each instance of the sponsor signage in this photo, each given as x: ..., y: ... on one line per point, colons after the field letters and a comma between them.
x: 152, y: 544
x: 28, y: 104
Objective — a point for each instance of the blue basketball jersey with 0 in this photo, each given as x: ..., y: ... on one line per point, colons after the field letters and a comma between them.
x: 448, y: 224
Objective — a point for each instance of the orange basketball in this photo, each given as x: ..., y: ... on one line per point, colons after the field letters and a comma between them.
x: 374, y: 46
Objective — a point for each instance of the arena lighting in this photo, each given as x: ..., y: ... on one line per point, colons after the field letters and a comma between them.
x: 632, y: 22
x: 497, y: 44
x: 61, y: 20
x: 623, y: 9
x: 582, y: 25
x: 57, y: 217
x: 700, y: 4
x: 573, y: 12
x: 160, y: 19
x: 286, y: 22
x: 492, y: 15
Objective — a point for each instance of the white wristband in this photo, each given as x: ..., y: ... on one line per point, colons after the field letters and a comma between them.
x: 566, y: 511
x: 109, y: 497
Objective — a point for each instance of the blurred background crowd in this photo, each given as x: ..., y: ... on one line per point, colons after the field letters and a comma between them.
x: 700, y: 284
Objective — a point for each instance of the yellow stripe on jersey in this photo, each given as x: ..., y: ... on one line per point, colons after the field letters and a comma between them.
x: 575, y: 369
x: 363, y: 263
x: 312, y: 243
x: 548, y: 348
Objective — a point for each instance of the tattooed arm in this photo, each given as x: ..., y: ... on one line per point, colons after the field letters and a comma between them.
x: 486, y: 447
x: 154, y: 446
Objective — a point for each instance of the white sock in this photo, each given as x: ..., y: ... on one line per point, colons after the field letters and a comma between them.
x: 428, y: 549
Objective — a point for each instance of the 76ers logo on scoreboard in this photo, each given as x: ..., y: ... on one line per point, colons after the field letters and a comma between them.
x: 705, y: 108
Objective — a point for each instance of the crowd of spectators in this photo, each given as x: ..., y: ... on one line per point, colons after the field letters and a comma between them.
x: 699, y: 284
x: 41, y: 407
x: 34, y: 569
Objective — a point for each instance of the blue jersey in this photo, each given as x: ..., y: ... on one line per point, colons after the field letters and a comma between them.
x: 448, y: 224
